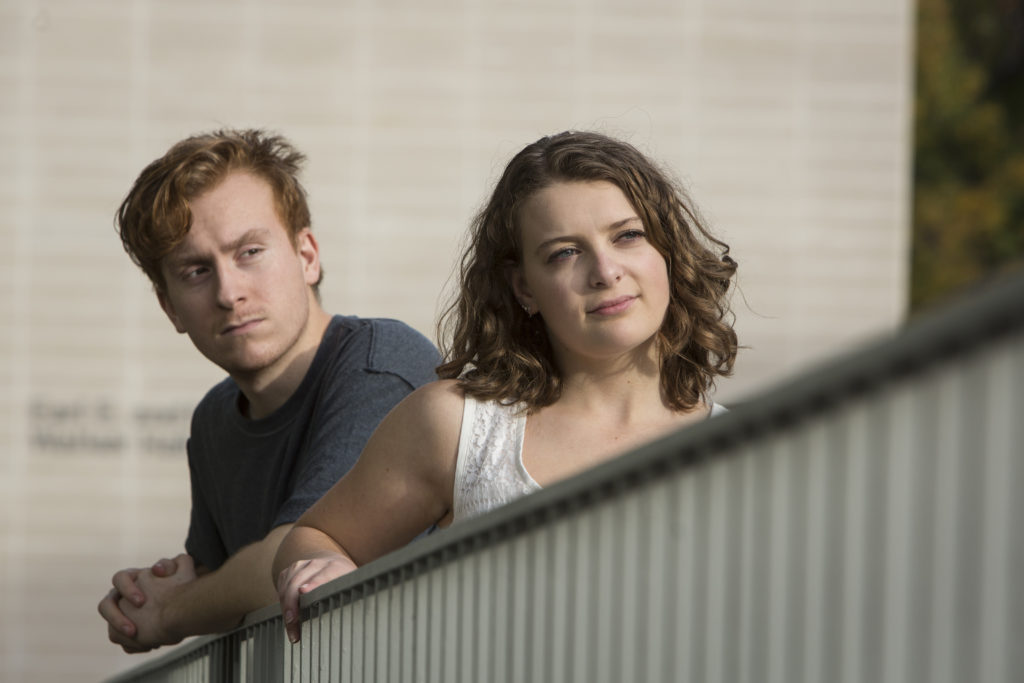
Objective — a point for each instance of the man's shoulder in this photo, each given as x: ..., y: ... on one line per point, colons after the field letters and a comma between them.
x: 395, y: 339
x: 386, y: 344
x: 384, y: 327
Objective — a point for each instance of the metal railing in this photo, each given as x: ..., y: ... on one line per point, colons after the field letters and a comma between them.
x: 861, y: 523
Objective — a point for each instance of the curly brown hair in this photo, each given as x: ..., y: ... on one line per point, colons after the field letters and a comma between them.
x: 155, y: 217
x: 499, y: 352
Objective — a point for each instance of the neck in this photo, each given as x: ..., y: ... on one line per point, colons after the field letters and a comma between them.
x: 618, y: 390
x: 269, y: 388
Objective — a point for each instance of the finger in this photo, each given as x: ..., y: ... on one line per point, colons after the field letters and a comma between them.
x: 318, y: 576
x: 290, y: 616
x: 288, y: 590
x: 286, y: 574
x: 127, y: 643
x: 115, y: 618
x: 290, y: 611
x: 307, y: 575
x: 304, y: 577
x: 294, y: 630
x: 164, y: 567
x: 125, y: 583
x: 185, y: 562
x: 134, y: 648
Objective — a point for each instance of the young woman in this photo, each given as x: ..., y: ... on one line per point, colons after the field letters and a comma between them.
x: 591, y: 318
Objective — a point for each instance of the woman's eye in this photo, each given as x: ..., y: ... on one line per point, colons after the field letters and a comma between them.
x: 630, y: 235
x: 562, y: 254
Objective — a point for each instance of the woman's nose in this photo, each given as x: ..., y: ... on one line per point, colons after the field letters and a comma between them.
x: 605, y: 270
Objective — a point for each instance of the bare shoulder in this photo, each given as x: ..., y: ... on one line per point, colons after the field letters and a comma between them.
x: 436, y: 404
x: 429, y: 418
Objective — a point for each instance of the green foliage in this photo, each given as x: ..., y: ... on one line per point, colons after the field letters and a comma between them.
x: 969, y: 145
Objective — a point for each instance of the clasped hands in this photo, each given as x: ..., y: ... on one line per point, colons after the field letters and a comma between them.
x: 135, y: 609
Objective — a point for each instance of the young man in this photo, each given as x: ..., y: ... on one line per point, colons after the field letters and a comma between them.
x: 220, y: 225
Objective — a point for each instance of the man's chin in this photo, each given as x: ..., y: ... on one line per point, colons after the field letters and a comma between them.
x: 239, y: 365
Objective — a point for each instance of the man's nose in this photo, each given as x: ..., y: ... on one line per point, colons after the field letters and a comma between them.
x: 230, y: 286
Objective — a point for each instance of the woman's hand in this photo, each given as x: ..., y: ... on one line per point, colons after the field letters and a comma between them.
x: 301, y: 578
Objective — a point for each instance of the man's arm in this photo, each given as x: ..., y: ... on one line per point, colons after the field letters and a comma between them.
x: 186, y: 604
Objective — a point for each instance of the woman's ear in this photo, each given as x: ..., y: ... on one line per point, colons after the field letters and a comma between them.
x: 516, y: 280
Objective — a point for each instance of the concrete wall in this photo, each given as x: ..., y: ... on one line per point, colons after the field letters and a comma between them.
x: 789, y: 121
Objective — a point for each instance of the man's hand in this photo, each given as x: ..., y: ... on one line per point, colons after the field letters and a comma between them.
x: 120, y: 629
x: 179, y: 599
x: 151, y: 618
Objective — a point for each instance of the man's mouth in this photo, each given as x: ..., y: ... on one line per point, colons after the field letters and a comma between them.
x: 241, y: 327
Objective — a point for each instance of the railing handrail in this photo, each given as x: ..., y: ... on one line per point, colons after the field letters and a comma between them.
x: 957, y: 329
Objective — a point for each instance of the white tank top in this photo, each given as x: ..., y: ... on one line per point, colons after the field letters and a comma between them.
x: 489, y: 471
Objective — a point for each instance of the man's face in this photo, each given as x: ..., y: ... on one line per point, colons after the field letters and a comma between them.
x: 237, y: 285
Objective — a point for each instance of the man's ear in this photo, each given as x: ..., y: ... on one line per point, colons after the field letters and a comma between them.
x: 516, y: 280
x: 165, y: 303
x: 309, y: 253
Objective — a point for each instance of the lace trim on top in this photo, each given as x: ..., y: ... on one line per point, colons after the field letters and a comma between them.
x: 490, y: 471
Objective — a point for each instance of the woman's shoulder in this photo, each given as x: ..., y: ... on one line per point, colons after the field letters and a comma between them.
x: 442, y: 393
x: 422, y: 430
x: 433, y: 405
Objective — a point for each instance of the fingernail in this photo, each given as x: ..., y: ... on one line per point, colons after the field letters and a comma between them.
x: 127, y: 629
x: 137, y: 599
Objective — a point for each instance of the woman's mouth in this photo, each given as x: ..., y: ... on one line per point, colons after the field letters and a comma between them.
x: 613, y: 306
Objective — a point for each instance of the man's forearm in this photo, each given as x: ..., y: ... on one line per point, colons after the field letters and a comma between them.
x: 218, y: 600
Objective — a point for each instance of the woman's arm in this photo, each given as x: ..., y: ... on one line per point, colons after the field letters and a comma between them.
x: 401, y: 485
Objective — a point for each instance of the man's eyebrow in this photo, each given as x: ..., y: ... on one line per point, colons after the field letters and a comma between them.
x: 253, y: 235
x: 186, y: 255
x: 181, y: 256
x: 568, y: 237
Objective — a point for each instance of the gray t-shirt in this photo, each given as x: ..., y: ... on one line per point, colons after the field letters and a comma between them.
x: 249, y: 476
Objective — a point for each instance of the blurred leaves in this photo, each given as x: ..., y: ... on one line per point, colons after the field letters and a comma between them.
x: 969, y: 145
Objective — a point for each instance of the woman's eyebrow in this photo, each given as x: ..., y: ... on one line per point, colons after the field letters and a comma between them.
x: 624, y: 221
x: 615, y: 225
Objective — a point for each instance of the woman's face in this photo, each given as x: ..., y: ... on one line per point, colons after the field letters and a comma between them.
x: 589, y: 270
